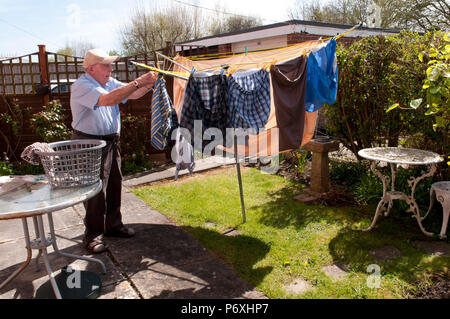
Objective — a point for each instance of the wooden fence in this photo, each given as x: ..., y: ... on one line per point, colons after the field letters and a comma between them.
x: 32, y: 80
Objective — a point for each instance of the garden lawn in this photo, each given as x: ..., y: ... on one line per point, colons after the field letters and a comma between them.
x: 284, y: 240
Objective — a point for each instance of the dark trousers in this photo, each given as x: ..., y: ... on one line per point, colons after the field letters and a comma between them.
x: 103, y: 210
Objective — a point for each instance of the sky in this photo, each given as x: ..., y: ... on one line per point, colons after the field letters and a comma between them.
x: 26, y: 23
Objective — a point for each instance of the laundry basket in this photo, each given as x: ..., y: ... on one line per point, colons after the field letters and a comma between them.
x: 73, y: 163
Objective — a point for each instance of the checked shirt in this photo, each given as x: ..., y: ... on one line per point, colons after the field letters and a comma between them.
x: 205, y: 100
x: 249, y: 99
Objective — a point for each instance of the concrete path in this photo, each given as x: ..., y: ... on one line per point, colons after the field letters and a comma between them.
x: 161, y: 261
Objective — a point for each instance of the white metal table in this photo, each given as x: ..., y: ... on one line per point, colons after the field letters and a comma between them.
x: 35, y: 201
x: 397, y: 156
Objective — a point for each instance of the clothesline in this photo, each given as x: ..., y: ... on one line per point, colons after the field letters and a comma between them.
x: 233, y: 54
x: 290, y: 52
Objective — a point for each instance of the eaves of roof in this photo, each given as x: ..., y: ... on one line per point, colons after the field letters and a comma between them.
x: 287, y: 23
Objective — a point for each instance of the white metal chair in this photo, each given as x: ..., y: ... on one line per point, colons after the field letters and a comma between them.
x: 442, y: 192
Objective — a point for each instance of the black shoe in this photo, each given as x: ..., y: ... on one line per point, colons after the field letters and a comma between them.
x: 123, y: 232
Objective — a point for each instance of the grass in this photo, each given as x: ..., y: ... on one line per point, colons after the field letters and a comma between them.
x: 283, y: 240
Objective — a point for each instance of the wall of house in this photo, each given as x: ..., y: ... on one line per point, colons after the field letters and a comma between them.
x: 259, y: 44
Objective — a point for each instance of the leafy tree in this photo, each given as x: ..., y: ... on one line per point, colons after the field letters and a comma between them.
x: 425, y: 15
x: 419, y: 15
x: 339, y: 11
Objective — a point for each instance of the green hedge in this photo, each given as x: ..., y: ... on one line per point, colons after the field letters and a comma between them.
x: 374, y: 74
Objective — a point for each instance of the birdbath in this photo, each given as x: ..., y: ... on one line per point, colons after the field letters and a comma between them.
x: 320, y: 180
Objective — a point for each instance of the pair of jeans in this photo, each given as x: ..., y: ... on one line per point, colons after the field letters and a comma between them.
x: 103, y: 213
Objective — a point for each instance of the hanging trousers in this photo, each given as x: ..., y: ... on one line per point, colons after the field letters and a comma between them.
x: 103, y: 210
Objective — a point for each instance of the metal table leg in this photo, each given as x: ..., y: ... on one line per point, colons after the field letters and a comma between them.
x: 25, y: 264
x: 55, y: 246
x: 384, y: 200
x: 389, y: 196
x: 46, y: 261
x: 412, y: 182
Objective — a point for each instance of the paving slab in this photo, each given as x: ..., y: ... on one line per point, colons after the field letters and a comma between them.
x: 232, y: 232
x: 298, y: 286
x: 385, y: 253
x: 336, y: 271
x: 25, y: 285
x: 13, y: 229
x: 435, y: 248
x: 200, y: 165
x: 160, y: 261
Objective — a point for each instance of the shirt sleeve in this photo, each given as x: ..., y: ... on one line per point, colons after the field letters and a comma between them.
x: 87, y: 94
x: 118, y: 84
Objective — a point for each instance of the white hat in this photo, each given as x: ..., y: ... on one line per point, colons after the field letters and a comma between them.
x: 96, y: 56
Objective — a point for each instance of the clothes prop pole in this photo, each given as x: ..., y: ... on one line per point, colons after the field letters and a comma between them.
x: 170, y: 60
x: 159, y: 70
x: 346, y: 32
x: 244, y: 218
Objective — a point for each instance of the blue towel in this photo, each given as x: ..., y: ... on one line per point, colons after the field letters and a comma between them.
x: 322, y: 81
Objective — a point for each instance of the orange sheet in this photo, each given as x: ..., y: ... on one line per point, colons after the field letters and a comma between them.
x: 259, y: 145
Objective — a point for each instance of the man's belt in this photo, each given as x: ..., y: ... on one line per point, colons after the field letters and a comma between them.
x: 108, y: 138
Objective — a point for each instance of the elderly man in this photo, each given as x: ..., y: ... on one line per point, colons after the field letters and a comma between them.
x: 95, y: 112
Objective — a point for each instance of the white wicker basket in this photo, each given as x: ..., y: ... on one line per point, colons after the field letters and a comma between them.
x: 74, y: 163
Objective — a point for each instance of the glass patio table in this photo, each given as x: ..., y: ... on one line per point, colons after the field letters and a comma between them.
x: 395, y: 156
x: 34, y: 201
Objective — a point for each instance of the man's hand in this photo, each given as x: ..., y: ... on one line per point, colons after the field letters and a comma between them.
x: 147, y: 80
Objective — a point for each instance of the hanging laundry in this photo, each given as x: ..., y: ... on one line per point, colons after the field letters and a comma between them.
x: 249, y: 99
x: 184, y: 155
x: 289, y: 90
x: 164, y: 116
x: 322, y: 82
x: 205, y: 99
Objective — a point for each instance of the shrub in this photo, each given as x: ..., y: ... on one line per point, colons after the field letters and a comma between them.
x: 374, y: 74
x: 6, y: 168
x: 348, y: 173
x: 49, y: 124
x: 134, y: 144
x: 13, y: 120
